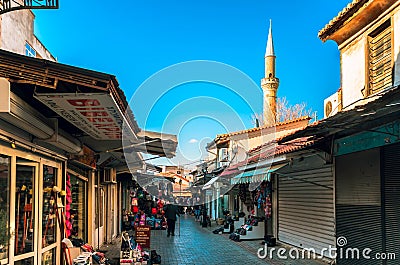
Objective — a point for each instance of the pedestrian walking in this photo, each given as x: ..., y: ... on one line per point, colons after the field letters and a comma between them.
x: 171, y: 213
x: 197, y: 213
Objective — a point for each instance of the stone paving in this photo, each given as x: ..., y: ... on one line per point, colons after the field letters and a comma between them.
x: 193, y: 244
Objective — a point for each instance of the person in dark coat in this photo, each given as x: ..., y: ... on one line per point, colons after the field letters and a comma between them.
x: 171, y: 213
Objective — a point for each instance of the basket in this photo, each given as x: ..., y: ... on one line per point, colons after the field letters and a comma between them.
x: 220, y: 221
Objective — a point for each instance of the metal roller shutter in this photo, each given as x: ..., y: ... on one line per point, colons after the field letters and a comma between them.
x: 306, y: 209
x: 391, y: 171
x: 358, y: 204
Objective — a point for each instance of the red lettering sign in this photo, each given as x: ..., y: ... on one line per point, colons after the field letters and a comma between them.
x: 83, y: 102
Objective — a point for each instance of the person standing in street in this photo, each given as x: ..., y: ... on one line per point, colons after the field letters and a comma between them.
x: 171, y: 213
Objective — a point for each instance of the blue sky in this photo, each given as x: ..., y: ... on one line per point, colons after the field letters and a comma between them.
x: 135, y: 39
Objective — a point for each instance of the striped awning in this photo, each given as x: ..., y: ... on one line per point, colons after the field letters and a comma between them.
x: 256, y: 175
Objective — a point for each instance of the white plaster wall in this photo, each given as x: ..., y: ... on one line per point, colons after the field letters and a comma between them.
x: 17, y: 28
x: 41, y: 50
x: 353, y: 71
x: 396, y: 48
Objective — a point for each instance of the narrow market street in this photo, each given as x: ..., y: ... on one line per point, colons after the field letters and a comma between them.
x: 199, y: 246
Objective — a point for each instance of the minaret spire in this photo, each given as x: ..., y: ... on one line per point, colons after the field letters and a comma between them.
x: 270, y: 83
x: 270, y: 44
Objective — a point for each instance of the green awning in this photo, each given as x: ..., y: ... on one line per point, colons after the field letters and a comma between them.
x: 256, y: 175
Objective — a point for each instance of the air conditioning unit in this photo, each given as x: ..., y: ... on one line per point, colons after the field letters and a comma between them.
x: 331, y: 105
x: 108, y: 175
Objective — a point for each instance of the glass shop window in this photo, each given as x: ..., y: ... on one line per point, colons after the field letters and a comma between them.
x: 24, y: 207
x: 4, y: 205
x: 49, y: 257
x: 49, y: 216
x: 78, y: 208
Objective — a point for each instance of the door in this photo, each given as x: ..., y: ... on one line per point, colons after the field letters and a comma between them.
x: 26, y: 214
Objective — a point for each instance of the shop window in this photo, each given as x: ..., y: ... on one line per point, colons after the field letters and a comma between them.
x: 49, y: 217
x: 380, y: 58
x: 29, y: 51
x: 28, y: 261
x: 78, y: 208
x: 4, y: 205
x: 49, y: 257
x: 24, y: 207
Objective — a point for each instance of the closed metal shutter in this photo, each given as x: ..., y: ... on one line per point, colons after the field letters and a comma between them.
x: 391, y: 171
x: 306, y: 209
x: 358, y: 205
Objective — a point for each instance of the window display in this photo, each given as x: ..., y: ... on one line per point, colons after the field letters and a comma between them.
x: 28, y: 261
x: 4, y: 205
x: 24, y: 207
x: 78, y: 207
x: 49, y: 257
x: 49, y: 219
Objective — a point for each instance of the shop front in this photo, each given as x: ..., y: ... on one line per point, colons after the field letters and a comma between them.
x: 77, y: 205
x: 367, y: 193
x: 306, y: 209
x: 29, y: 205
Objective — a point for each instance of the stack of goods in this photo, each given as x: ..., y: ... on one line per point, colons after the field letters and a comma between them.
x: 99, y: 257
x: 132, y: 253
x: 83, y: 259
x: 248, y: 226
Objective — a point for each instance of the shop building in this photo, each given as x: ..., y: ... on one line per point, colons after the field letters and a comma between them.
x: 51, y: 136
x: 359, y: 138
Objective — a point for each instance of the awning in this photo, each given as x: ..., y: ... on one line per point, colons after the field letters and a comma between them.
x: 256, y: 175
x: 210, y: 183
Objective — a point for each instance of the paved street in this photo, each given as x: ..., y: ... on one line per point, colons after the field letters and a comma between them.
x: 199, y: 246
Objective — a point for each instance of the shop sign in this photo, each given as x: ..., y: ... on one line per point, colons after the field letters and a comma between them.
x: 143, y: 233
x: 96, y: 114
x: 88, y: 158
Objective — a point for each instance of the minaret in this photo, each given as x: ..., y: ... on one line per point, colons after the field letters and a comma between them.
x: 269, y: 83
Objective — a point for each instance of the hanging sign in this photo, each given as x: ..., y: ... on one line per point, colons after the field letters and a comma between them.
x: 96, y: 114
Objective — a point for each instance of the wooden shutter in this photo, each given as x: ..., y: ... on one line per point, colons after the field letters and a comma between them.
x: 380, y: 58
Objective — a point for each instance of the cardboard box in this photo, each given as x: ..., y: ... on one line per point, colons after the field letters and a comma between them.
x: 75, y: 252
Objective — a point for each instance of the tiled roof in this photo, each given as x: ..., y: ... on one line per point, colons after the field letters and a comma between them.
x: 225, y: 137
x: 268, y: 151
x: 284, y: 148
x: 343, y: 15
